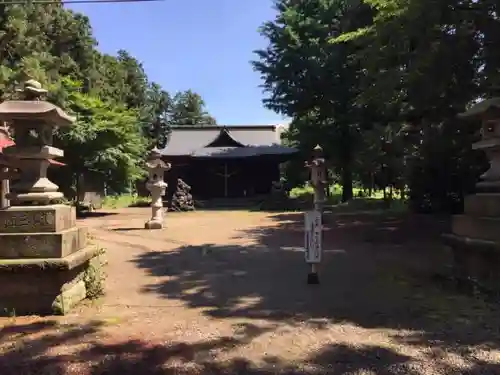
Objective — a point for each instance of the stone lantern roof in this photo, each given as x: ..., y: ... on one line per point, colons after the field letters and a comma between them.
x: 14, y: 110
x: 157, y: 163
x: 33, y: 108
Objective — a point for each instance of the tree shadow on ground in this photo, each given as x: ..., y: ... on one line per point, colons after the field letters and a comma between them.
x: 25, y: 348
x: 49, y: 348
x: 370, y: 279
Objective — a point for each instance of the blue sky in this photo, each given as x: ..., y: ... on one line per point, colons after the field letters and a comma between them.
x: 203, y: 45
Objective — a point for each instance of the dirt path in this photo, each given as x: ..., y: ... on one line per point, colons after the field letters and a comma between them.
x: 225, y: 292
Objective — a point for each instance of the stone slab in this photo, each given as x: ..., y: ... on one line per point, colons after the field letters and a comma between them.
x: 69, y: 298
x: 484, y: 228
x: 472, y: 244
x: 37, y: 219
x: 42, y: 245
x: 474, y: 259
x: 488, y: 186
x: 67, y: 263
x: 44, y: 290
x: 487, y: 204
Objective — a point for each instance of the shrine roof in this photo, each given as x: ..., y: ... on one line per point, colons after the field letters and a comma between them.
x: 225, y: 141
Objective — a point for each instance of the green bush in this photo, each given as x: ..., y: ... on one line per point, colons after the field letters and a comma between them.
x: 125, y: 200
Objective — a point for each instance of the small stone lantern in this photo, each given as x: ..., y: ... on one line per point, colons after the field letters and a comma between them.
x: 157, y: 186
x: 318, y: 177
x: 33, y: 121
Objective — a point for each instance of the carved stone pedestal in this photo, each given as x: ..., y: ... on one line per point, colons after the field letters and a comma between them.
x: 44, y: 259
x: 475, y: 240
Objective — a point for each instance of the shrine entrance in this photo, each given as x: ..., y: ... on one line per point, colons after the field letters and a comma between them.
x: 225, y: 179
x: 232, y: 178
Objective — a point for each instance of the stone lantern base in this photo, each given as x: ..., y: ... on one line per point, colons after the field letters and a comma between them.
x: 46, y: 263
x: 156, y: 221
x: 153, y: 224
x: 475, y: 240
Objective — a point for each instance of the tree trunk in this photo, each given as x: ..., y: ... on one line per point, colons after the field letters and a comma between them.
x: 347, y: 192
x: 372, y: 184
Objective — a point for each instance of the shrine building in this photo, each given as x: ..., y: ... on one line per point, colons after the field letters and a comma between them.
x: 226, y: 161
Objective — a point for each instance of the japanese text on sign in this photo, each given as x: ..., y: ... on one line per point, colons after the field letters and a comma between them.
x: 313, y: 236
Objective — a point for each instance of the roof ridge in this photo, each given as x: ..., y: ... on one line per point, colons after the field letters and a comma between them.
x: 220, y: 127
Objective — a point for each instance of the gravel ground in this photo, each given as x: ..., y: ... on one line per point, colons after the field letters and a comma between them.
x: 224, y: 292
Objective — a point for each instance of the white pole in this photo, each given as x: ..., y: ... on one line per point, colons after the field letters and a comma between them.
x: 313, y: 219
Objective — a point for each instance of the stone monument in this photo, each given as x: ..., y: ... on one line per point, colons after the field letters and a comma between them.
x: 318, y: 177
x: 157, y: 186
x: 475, y: 237
x: 45, y: 260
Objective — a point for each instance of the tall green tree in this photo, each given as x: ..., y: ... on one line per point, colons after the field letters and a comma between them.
x: 157, y: 114
x: 305, y: 76
x: 120, y: 112
x: 136, y: 82
x: 105, y: 139
x: 425, y: 62
x: 188, y: 108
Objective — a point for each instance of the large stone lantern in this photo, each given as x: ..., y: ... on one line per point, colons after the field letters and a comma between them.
x: 33, y: 122
x: 475, y: 237
x: 157, y: 186
x: 45, y: 258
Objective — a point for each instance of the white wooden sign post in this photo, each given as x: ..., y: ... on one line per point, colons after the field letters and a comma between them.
x: 313, y: 243
x: 313, y: 225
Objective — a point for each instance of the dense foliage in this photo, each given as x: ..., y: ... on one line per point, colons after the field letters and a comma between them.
x: 379, y: 84
x: 120, y: 113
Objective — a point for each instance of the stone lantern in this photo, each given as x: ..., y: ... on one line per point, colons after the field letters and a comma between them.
x: 157, y: 186
x: 33, y: 121
x: 45, y: 257
x: 475, y: 237
x: 488, y: 112
x: 318, y: 177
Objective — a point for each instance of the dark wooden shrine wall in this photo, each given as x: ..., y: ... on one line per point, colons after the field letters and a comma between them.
x: 218, y: 178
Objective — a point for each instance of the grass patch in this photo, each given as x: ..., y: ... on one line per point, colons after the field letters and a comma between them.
x: 125, y: 200
x: 303, y: 199
x: 335, y: 193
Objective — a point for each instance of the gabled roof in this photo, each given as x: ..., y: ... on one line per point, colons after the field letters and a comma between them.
x: 225, y: 141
